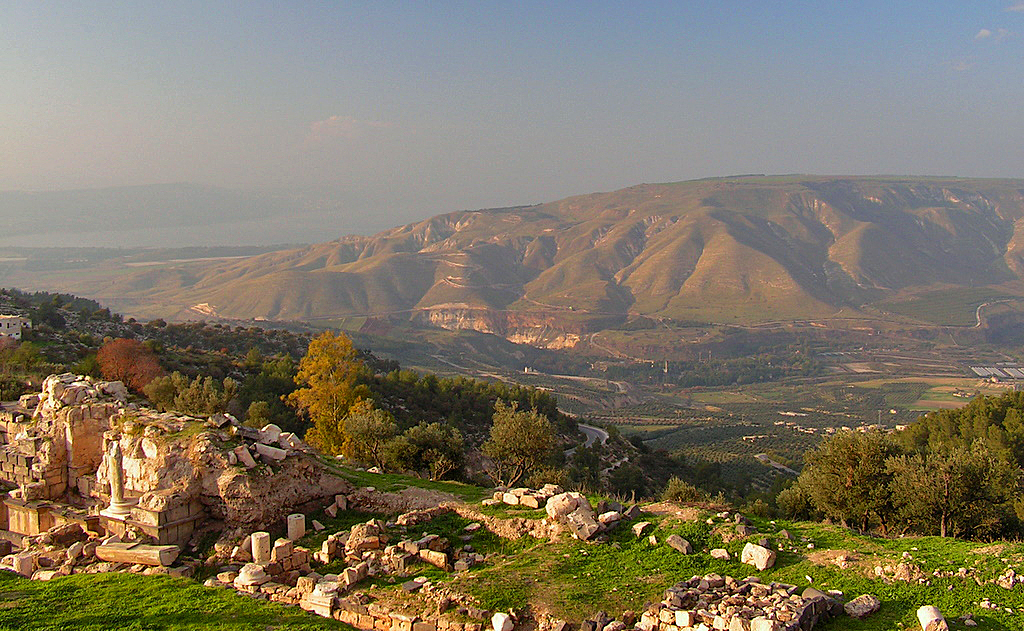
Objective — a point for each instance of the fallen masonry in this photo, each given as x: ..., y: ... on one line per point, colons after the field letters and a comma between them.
x: 722, y: 602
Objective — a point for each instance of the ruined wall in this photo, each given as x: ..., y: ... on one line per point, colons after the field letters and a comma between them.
x: 178, y: 470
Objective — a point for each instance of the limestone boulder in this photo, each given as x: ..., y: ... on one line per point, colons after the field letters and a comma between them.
x: 862, y: 606
x: 270, y: 433
x: 501, y: 622
x: 638, y: 528
x: 563, y: 504
x: 760, y: 557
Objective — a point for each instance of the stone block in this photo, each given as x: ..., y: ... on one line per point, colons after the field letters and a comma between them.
x: 243, y: 455
x: 271, y: 453
x: 685, y: 619
x: 24, y: 565
x: 137, y: 553
x: 435, y: 558
x: 638, y: 528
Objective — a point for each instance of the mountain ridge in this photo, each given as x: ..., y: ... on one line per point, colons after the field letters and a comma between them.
x: 740, y: 249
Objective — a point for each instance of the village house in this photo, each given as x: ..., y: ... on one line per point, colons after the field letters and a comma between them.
x: 12, y: 326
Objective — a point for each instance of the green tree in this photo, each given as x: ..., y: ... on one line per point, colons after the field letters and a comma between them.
x: 956, y: 492
x: 367, y: 430
x: 199, y: 396
x: 846, y: 478
x: 519, y: 443
x: 257, y: 414
x: 328, y: 387
x: 434, y: 448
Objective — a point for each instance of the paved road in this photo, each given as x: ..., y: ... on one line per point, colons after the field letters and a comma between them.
x: 593, y: 434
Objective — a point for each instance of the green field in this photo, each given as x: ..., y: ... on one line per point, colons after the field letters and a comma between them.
x: 947, y: 307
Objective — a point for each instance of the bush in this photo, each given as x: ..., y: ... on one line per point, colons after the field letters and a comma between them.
x: 793, y: 503
x: 678, y: 490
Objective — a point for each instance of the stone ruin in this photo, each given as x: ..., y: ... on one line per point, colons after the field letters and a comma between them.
x: 79, y: 454
x: 711, y: 602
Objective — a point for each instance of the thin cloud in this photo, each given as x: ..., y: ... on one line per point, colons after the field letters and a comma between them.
x: 1016, y: 8
x: 996, y: 35
x: 343, y: 127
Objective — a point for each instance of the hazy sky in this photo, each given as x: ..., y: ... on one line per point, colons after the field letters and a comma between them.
x: 423, y: 107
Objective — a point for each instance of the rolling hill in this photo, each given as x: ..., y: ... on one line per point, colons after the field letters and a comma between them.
x: 733, y: 250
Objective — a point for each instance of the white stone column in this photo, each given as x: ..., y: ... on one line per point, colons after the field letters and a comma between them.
x: 296, y: 526
x: 261, y: 547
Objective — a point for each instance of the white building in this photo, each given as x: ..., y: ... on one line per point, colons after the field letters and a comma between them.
x: 12, y: 326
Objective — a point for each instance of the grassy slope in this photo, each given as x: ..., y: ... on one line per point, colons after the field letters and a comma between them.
x: 567, y: 578
x: 127, y: 601
x: 576, y: 580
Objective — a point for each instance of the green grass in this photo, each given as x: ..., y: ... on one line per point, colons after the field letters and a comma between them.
x: 569, y: 578
x: 575, y: 580
x: 391, y: 482
x: 127, y: 601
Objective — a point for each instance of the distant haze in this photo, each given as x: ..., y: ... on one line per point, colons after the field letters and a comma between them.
x: 174, y: 215
x: 392, y: 112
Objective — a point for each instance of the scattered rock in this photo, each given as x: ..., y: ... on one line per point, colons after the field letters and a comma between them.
x: 678, y: 543
x: 501, y: 622
x: 638, y: 528
x: 760, y: 557
x: 862, y: 606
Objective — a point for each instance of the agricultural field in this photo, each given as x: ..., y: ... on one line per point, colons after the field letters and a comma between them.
x: 947, y: 307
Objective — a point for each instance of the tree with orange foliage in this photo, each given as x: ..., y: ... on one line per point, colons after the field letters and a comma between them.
x: 129, y: 362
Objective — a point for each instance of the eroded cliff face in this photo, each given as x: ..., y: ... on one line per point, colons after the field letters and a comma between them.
x: 550, y: 330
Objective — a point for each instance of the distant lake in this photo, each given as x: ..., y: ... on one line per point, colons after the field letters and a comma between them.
x: 305, y: 228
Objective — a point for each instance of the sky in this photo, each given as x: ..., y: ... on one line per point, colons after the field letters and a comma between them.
x: 411, y: 109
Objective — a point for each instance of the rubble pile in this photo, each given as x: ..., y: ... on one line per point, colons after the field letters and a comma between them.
x: 282, y: 573
x: 524, y: 497
x: 79, y: 451
x: 722, y: 602
x: 68, y: 549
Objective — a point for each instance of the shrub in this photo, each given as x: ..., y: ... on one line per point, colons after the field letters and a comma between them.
x: 678, y: 490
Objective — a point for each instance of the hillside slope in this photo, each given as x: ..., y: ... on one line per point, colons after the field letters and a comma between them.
x: 745, y: 249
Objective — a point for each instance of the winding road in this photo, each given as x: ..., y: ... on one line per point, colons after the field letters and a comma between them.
x: 593, y: 435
